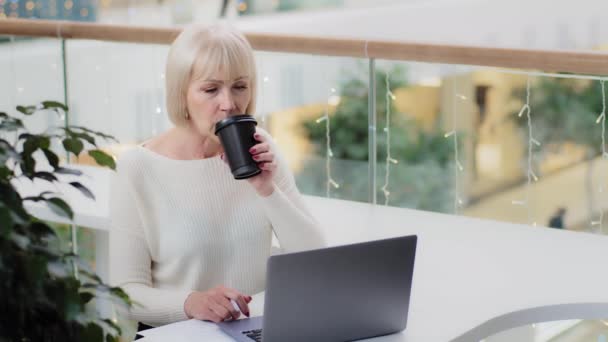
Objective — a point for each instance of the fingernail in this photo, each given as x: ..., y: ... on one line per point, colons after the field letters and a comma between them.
x: 256, y: 157
x: 256, y: 135
x: 252, y: 150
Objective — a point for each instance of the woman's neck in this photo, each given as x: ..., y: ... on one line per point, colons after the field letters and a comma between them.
x: 185, y: 143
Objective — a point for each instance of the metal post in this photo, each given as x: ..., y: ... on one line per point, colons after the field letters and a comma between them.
x: 73, y: 227
x: 371, y: 119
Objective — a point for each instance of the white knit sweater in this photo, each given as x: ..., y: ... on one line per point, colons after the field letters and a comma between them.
x: 187, y: 225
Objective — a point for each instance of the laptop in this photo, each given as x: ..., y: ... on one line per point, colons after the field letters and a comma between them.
x: 334, y: 294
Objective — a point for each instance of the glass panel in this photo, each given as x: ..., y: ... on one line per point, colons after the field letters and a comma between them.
x: 296, y: 92
x: 416, y: 166
x: 548, y: 170
x: 449, y: 137
x: 102, y: 96
x: 32, y: 73
x: 85, y: 241
x: 490, y: 172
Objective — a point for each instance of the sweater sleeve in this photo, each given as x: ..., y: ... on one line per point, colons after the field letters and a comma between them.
x: 294, y: 225
x: 130, y: 259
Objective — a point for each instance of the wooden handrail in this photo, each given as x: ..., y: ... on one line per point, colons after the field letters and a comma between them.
x: 587, y: 62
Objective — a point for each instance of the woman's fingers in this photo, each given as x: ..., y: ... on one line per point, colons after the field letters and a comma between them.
x: 240, y: 299
x: 259, y: 136
x: 212, y: 315
x: 222, y: 311
x: 259, y: 148
x: 269, y: 166
x: 223, y: 156
x: 226, y: 303
x: 264, y: 157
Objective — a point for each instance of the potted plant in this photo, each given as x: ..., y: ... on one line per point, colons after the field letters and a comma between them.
x: 41, y: 298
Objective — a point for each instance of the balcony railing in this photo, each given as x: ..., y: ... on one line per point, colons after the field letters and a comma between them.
x: 440, y: 131
x: 447, y: 89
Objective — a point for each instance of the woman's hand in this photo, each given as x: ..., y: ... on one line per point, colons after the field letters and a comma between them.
x: 214, y: 305
x: 263, y: 155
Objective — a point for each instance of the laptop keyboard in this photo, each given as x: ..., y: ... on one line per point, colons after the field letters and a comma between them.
x: 255, y: 334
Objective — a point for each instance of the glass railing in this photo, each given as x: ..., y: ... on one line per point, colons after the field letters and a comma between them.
x: 504, y: 144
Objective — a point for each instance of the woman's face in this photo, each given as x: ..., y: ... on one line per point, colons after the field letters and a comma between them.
x: 213, y: 99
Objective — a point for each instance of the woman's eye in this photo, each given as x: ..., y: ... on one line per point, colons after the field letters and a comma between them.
x: 241, y: 87
x: 210, y: 90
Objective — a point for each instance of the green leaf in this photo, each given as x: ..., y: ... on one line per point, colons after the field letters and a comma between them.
x: 11, y: 198
x: 34, y: 142
x: 67, y: 171
x: 60, y: 207
x: 47, y: 176
x: 40, y: 197
x: 11, y: 124
x: 6, y: 223
x: 110, y: 338
x: 86, y: 297
x: 120, y: 293
x: 28, y: 164
x: 79, y: 135
x: 103, y: 159
x: 7, y: 151
x: 20, y: 241
x: 83, y: 189
x: 36, y: 266
x: 100, y: 134
x: 24, y: 136
x: 114, y: 326
x: 6, y: 173
x: 27, y: 110
x: 73, y: 145
x: 40, y: 229
x: 52, y: 158
x: 54, y: 104
x: 72, y: 302
x: 92, y: 275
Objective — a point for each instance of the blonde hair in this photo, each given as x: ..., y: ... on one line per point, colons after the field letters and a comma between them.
x: 199, y: 52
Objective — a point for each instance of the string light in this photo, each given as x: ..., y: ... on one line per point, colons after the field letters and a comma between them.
x: 389, y: 96
x: 601, y: 119
x: 329, y: 154
x: 531, y: 143
x: 459, y: 168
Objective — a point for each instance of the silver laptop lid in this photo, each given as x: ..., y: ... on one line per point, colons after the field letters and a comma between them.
x: 339, y: 293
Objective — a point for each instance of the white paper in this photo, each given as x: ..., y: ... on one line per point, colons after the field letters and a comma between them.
x: 195, y: 330
x: 186, y: 331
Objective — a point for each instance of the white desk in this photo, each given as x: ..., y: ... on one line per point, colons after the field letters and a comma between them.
x: 472, y: 278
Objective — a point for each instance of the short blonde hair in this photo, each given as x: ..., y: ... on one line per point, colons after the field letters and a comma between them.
x: 199, y: 52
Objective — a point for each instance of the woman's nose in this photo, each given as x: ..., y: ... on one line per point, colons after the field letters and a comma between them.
x: 227, y: 102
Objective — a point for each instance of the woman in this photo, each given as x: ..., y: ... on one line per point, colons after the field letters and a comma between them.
x: 187, y: 238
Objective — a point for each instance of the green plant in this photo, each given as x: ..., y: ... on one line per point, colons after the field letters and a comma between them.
x: 41, y: 298
x: 425, y: 157
x: 564, y: 110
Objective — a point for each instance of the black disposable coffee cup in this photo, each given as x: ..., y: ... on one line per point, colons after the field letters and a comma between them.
x: 236, y: 135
